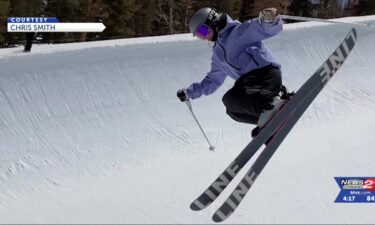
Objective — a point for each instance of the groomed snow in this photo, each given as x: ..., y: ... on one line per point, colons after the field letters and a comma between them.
x: 93, y: 132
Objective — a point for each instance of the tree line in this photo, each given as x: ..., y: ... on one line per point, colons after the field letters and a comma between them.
x: 138, y: 18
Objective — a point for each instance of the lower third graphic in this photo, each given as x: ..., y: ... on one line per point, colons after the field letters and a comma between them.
x: 356, y: 189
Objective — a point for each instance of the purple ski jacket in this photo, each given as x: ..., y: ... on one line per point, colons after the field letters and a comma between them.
x: 239, y: 49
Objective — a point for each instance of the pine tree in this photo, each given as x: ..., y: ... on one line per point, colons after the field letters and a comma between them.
x: 4, y: 12
x: 92, y: 11
x: 165, y: 15
x: 66, y: 11
x: 329, y: 9
x: 246, y: 10
x: 20, y: 8
x: 301, y: 8
x: 118, y: 16
x: 144, y: 19
x: 234, y: 9
x: 366, y: 7
x: 23, y: 8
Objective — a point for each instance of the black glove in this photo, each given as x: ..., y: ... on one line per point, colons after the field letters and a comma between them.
x: 181, y: 94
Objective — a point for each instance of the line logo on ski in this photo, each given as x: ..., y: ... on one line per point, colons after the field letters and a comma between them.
x: 334, y: 62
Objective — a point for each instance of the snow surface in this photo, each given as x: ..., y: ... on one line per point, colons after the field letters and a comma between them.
x: 93, y: 133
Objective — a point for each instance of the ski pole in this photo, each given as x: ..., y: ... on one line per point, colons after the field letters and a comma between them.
x: 196, y: 120
x: 300, y: 18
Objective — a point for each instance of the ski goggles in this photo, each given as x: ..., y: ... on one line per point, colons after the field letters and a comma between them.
x: 202, y: 31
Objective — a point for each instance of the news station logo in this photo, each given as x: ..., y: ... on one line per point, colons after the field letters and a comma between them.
x: 50, y: 24
x: 356, y: 189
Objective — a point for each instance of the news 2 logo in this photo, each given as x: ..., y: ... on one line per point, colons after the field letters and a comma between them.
x: 356, y: 189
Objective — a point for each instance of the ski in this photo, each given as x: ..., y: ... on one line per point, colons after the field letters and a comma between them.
x: 320, y: 78
x: 233, y: 201
x: 217, y: 187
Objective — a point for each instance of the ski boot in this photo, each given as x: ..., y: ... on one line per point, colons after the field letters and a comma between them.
x: 277, y: 102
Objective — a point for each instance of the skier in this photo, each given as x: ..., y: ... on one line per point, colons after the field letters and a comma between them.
x: 29, y: 41
x: 240, y: 53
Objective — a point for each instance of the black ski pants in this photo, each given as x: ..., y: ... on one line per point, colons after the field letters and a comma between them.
x: 251, y: 93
